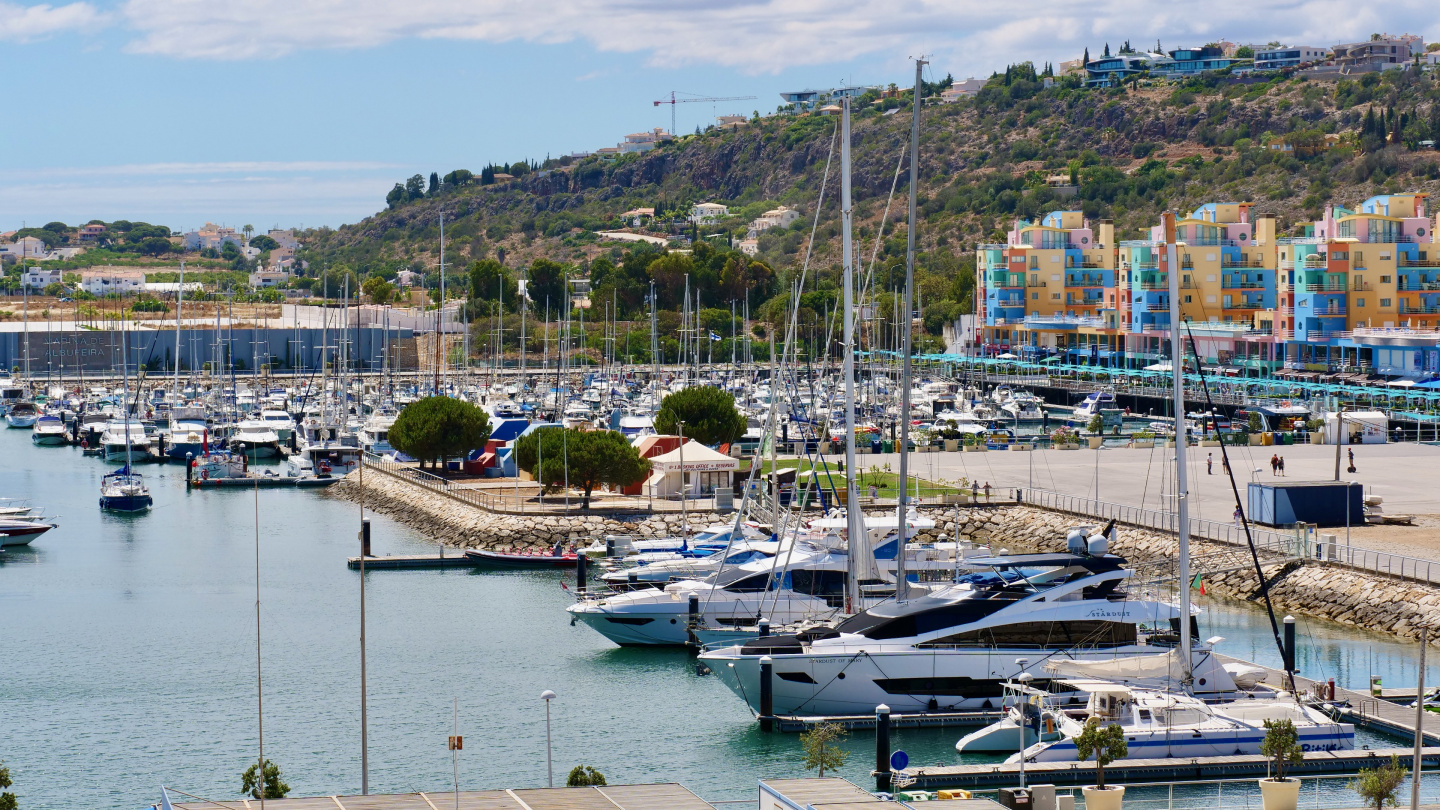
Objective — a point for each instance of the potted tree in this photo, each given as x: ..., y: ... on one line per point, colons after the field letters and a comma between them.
x: 1065, y: 438
x: 1316, y: 427
x: 1107, y: 744
x: 1282, y: 746
x: 1096, y: 427
x: 1377, y: 786
x: 1255, y: 429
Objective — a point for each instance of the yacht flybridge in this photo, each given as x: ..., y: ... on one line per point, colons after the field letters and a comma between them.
x: 954, y: 647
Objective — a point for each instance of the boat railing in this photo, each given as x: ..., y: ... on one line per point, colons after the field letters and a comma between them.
x: 1302, y: 543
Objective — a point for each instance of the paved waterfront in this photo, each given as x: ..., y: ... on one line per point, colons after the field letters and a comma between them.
x: 1403, y: 474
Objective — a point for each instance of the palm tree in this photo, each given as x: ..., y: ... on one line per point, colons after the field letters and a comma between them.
x: 248, y: 229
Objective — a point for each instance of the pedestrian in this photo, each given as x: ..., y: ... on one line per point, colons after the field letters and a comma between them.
x: 1351, y: 452
x: 974, y: 490
x: 1282, y: 466
x: 987, y: 491
x: 1209, y: 463
x: 874, y: 492
x: 1274, y: 465
x: 1239, y: 517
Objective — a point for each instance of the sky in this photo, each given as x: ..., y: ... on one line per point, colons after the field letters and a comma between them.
x: 305, y: 112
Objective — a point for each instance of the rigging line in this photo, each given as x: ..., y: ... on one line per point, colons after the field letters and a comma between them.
x: 1245, y: 524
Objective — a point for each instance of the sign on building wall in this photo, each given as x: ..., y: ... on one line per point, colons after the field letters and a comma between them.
x: 74, y: 351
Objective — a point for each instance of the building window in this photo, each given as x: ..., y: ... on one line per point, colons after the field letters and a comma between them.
x: 1384, y: 302
x: 1384, y: 279
x: 1359, y: 302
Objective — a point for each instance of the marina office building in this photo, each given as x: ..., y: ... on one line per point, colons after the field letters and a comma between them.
x: 1359, y: 291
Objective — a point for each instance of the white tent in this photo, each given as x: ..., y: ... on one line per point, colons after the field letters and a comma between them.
x: 1369, y: 426
x: 704, y: 469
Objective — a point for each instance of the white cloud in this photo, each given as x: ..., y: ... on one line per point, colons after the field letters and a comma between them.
x: 753, y: 36
x: 183, y: 195
x: 27, y: 23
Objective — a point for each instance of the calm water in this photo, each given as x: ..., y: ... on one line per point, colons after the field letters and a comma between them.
x: 129, y: 660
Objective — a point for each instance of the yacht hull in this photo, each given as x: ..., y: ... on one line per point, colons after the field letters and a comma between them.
x: 1222, y: 740
x: 20, y: 421
x: 126, y: 503
x: 48, y: 439
x: 664, y: 620
x: 856, y: 681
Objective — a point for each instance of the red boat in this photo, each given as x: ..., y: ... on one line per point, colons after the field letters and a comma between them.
x: 21, y: 532
x: 521, y: 558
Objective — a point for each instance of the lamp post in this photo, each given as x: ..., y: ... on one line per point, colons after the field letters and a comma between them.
x: 548, y: 696
x: 1024, y: 678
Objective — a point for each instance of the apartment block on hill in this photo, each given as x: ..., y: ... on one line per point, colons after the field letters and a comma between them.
x: 106, y: 280
x: 212, y: 237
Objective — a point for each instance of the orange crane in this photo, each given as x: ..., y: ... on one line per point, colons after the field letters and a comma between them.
x: 672, y: 101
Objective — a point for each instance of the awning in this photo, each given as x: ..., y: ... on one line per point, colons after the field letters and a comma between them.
x: 697, y: 458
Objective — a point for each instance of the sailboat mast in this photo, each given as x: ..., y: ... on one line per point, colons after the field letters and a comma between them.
x: 179, y: 311
x: 854, y: 517
x: 1182, y: 489
x: 903, y: 480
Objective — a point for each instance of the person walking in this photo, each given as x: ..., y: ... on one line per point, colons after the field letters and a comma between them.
x: 1225, y: 464
x: 1351, y: 453
x: 1239, y: 517
x: 1274, y: 465
x: 987, y: 491
x: 1282, y: 466
x: 1209, y: 463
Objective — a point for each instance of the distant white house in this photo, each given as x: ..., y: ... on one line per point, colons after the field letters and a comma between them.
x: 285, y: 238
x: 959, y: 90
x: 213, y: 237
x: 26, y: 247
x: 409, y: 278
x: 106, y: 280
x: 38, y: 279
x: 708, y: 212
x: 780, y: 217
x: 749, y: 245
x: 266, y: 279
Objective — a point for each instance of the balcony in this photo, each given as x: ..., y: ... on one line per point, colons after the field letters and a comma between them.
x: 1423, y: 310
x: 1155, y: 285
x: 1321, y: 288
x: 1229, y: 283
x: 1243, y: 304
x: 1092, y: 265
x: 1333, y: 312
x: 1405, y: 261
x: 1227, y: 262
x: 1034, y: 283
x: 1157, y: 307
x: 1418, y: 286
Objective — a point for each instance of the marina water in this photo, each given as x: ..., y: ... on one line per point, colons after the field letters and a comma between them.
x: 129, y: 660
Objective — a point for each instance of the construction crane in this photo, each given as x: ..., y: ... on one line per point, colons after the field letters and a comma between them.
x: 672, y: 101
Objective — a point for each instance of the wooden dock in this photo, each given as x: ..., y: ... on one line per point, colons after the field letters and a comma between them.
x: 408, y: 562
x: 1174, y: 769
x: 262, y: 481
x: 1362, y: 709
x: 617, y: 797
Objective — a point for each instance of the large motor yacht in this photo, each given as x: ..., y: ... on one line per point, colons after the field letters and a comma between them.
x: 955, y: 646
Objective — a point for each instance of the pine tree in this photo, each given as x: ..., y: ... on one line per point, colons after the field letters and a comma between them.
x: 1085, y: 60
x: 1107, y: 51
x: 434, y: 184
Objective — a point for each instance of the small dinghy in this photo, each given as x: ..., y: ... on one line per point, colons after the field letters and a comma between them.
x: 522, y: 558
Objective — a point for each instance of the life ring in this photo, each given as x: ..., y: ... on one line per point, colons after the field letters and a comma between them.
x: 84, y: 444
x: 204, y: 475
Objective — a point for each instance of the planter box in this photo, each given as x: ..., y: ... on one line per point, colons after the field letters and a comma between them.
x: 1144, y: 444
x: 1022, y: 446
x: 1317, y: 438
x: 825, y: 448
x: 975, y: 448
x: 952, y: 445
x: 1095, y: 442
x: 1067, y: 447
x: 1256, y: 439
x: 1277, y: 795
x: 1209, y: 442
x: 1108, y: 799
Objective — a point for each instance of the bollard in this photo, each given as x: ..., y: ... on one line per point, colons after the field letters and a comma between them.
x: 609, y: 547
x: 764, y: 628
x: 882, y: 748
x: 693, y: 622
x: 1330, y: 689
x: 365, y: 539
x: 767, y: 694
x: 580, y: 573
x: 1288, y: 647
x: 189, y: 468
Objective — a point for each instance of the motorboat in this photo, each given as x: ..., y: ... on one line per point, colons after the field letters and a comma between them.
x: 1168, y: 724
x: 1094, y: 403
x: 375, y: 435
x: 49, y: 430
x: 218, y: 465
x: 124, y: 491
x: 122, y: 437
x: 255, y: 438
x: 1023, y: 406
x: 21, y: 531
x: 809, y: 581
x: 187, y: 433
x: 280, y: 422
x: 954, y: 647
x: 636, y: 424
x: 22, y: 414
x: 701, y: 561
x: 11, y: 392
x: 577, y: 415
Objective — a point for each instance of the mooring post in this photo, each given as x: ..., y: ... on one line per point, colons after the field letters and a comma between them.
x: 692, y: 623
x: 767, y: 694
x: 764, y: 628
x: 365, y: 539
x: 580, y: 573
x: 1289, y: 645
x: 189, y: 468
x: 882, y: 748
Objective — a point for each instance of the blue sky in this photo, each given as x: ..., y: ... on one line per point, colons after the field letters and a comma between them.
x: 298, y: 112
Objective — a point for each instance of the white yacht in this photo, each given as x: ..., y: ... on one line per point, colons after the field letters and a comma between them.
x: 186, y: 432
x: 375, y: 435
x: 49, y: 430
x: 1157, y: 723
x: 807, y: 583
x: 577, y: 414
x: 22, y: 414
x: 256, y: 439
x: 123, y: 436
x: 954, y: 647
x: 280, y: 422
x: 637, y: 424
x: 1023, y: 406
x: 1094, y: 403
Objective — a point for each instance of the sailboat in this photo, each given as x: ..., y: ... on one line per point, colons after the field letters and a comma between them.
x: 125, y: 490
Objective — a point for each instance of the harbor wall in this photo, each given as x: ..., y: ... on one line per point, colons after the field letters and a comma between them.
x: 1311, y: 588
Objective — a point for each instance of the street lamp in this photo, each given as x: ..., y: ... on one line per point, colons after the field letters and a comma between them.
x: 548, y: 696
x: 1024, y: 679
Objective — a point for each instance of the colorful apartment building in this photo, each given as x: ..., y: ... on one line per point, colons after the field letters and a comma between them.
x: 1360, y: 290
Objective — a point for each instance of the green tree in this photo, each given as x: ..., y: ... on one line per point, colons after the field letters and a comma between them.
x: 1282, y: 746
x: 1096, y: 424
x: 7, y: 800
x: 584, y: 776
x: 708, y: 414
x: 1377, y: 786
x: 378, y: 289
x: 1105, y: 742
x: 547, y: 283
x: 821, y: 747
x: 439, y: 428
x: 56, y: 289
x: 434, y: 184
x: 669, y: 272
x: 582, y: 458
x: 263, y: 242
x: 275, y: 787
x: 489, y: 281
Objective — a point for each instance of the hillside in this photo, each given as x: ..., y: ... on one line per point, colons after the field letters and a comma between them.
x: 983, y: 163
